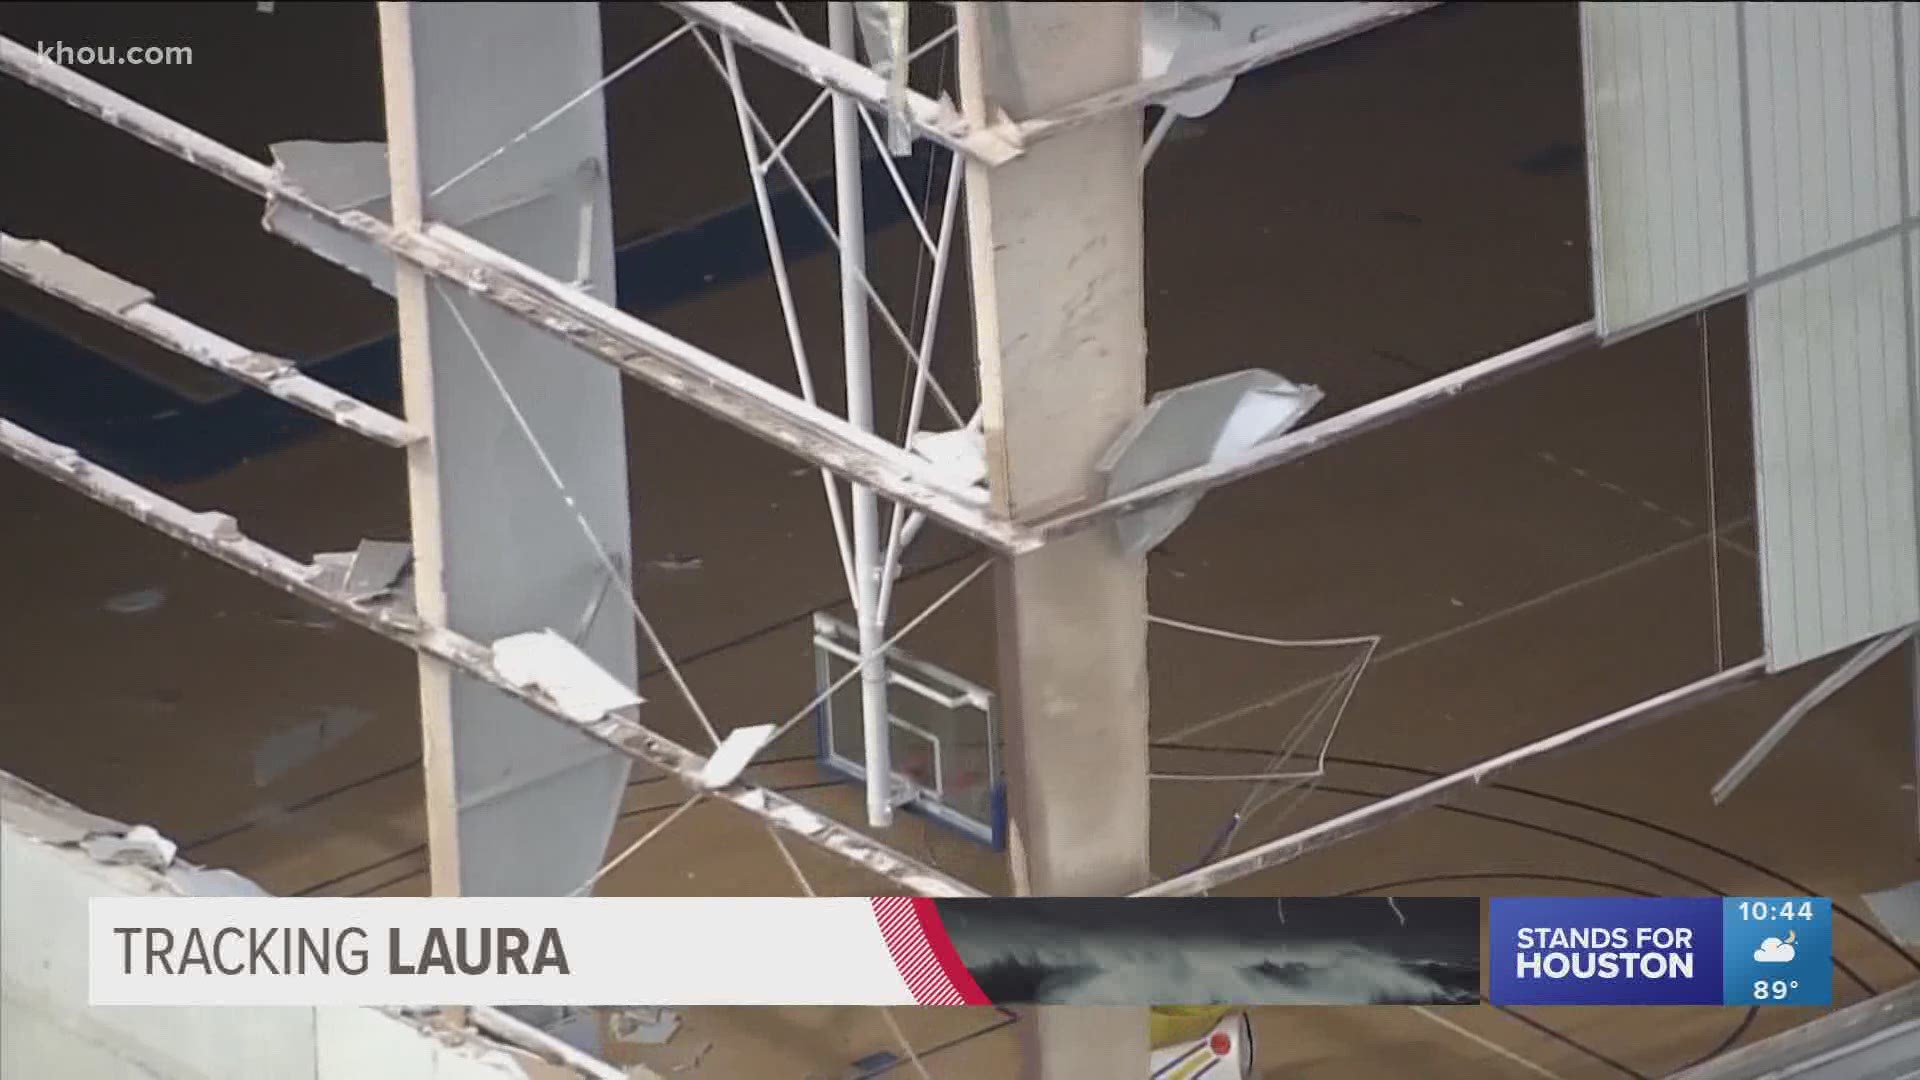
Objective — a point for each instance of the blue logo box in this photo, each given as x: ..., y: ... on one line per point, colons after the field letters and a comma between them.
x: 1605, y: 951
x: 1660, y: 951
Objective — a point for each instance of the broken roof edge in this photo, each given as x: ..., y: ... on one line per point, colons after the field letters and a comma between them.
x: 598, y: 329
x: 219, y: 536
x: 32, y: 814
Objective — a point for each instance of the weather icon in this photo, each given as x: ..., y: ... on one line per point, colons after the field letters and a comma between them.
x: 1776, y: 950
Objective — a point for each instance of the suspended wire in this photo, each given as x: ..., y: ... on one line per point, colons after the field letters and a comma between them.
x: 1255, y: 639
x: 833, y: 237
x: 645, y: 839
x: 789, y: 309
x: 492, y: 155
x: 857, y: 667
x: 806, y: 887
x: 607, y: 563
x: 898, y: 519
x: 1335, y: 696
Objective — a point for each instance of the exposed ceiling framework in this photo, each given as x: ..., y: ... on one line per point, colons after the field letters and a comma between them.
x: 1051, y: 154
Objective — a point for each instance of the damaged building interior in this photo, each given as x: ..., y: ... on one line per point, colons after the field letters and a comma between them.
x: 1084, y: 449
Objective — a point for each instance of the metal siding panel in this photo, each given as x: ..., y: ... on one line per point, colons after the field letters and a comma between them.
x: 1839, y: 555
x: 1774, y: 492
x: 1663, y: 132
x: 1910, y: 46
x: 1903, y: 339
x: 1855, y: 466
x: 1825, y: 148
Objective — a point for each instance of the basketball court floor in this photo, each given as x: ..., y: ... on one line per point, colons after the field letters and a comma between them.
x: 1531, y: 556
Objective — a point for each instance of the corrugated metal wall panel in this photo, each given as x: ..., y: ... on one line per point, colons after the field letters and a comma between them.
x: 1832, y: 422
x: 1665, y: 164
x: 1910, y: 48
x: 1823, y: 124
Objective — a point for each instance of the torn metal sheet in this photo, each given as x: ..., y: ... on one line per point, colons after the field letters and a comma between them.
x: 131, y: 308
x: 1175, y: 37
x: 960, y: 454
x: 217, y: 535
x: 1326, y: 434
x: 376, y: 568
x: 735, y: 753
x: 644, y: 1026
x: 352, y: 178
x: 1299, y: 28
x: 340, y: 177
x: 579, y: 686
x: 1898, y: 910
x: 141, y: 845
x: 1213, y: 420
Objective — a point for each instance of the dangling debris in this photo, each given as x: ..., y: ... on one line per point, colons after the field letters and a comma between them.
x: 1211, y: 420
x: 545, y: 661
x: 734, y: 754
x: 141, y: 845
x: 644, y: 1026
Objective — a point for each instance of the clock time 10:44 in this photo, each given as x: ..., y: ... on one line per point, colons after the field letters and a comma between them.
x: 1772, y: 910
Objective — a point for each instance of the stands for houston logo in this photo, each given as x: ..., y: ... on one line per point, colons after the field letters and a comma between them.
x: 1611, y: 951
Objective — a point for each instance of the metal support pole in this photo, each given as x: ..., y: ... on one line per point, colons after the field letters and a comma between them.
x: 1055, y: 239
x: 842, y: 33
x: 423, y: 468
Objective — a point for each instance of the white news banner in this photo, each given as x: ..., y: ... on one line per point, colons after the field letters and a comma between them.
x: 497, y: 951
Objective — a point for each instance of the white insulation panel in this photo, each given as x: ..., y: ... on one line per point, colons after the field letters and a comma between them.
x: 1840, y: 560
x: 1823, y: 119
x: 1696, y: 109
x: 1664, y: 157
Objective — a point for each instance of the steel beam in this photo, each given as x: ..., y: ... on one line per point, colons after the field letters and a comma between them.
x: 1863, y: 658
x: 131, y: 308
x: 1055, y: 238
x: 679, y: 369
x: 1321, y: 436
x: 857, y: 361
x: 1341, y: 22
x: 847, y: 78
x: 1386, y: 811
x: 219, y: 536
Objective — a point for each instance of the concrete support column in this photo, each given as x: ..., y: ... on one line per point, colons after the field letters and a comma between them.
x: 1056, y: 250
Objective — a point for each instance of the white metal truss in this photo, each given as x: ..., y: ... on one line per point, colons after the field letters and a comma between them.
x: 131, y: 307
x: 457, y: 262
x: 219, y: 536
